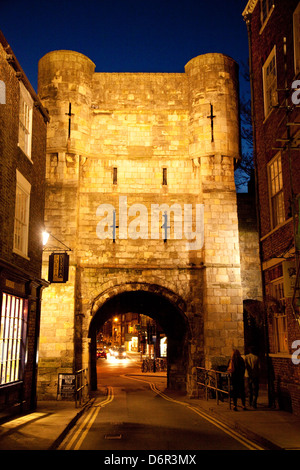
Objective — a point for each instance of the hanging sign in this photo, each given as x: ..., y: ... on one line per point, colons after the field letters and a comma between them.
x: 58, y: 268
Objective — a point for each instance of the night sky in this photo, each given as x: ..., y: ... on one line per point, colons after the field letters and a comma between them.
x: 124, y: 35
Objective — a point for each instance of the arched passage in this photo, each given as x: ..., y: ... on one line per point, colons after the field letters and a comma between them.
x: 156, y: 302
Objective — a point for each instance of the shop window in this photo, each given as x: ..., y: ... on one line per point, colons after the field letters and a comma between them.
x: 25, y: 120
x: 276, y: 191
x: 21, y: 225
x: 13, y: 328
x: 270, y: 82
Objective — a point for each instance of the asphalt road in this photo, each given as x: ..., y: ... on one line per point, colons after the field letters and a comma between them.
x: 132, y: 412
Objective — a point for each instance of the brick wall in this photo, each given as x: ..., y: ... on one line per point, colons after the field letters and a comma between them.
x: 277, y: 243
x: 19, y: 275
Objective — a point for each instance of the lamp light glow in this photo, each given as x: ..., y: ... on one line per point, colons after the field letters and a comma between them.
x: 45, y: 237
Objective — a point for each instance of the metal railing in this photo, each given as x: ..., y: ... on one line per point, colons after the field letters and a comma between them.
x: 81, y: 387
x: 154, y: 365
x: 216, y: 381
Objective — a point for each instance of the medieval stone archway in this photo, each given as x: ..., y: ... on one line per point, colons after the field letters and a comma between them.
x: 160, y: 304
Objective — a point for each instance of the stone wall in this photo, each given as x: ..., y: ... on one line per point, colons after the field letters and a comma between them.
x: 138, y: 140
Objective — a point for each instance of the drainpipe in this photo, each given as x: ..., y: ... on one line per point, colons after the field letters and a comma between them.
x: 247, y: 19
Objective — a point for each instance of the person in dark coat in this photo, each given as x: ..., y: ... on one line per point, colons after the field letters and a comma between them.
x: 237, y: 370
x: 252, y: 375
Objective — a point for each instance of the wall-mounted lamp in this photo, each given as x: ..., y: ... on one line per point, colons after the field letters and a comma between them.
x: 58, y: 269
x: 45, y: 236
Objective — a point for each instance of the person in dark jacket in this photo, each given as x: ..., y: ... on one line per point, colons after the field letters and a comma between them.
x: 252, y: 376
x: 237, y: 370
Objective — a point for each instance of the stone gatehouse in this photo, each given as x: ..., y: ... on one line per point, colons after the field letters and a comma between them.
x: 140, y: 186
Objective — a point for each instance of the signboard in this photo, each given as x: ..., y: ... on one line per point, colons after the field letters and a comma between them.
x: 66, y: 385
x: 58, y: 268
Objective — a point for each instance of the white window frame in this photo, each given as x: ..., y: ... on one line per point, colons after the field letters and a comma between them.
x: 25, y: 121
x: 269, y: 8
x: 275, y: 289
x: 276, y: 193
x: 2, y: 92
x: 270, y: 83
x: 21, y: 222
x: 296, y: 29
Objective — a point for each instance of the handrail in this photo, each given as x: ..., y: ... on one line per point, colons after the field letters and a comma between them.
x: 212, y: 380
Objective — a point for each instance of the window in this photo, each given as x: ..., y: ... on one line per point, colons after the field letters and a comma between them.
x: 266, y: 9
x: 2, y: 92
x: 296, y: 28
x: 25, y: 120
x: 115, y: 175
x: 275, y: 290
x: 276, y: 191
x: 13, y: 328
x: 165, y: 177
x: 280, y: 333
x: 21, y: 215
x: 270, y: 82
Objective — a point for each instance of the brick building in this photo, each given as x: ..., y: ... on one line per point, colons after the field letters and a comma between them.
x: 23, y: 123
x: 274, y: 49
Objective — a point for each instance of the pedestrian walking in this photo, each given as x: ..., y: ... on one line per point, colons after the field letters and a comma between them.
x: 237, y: 370
x: 252, y: 368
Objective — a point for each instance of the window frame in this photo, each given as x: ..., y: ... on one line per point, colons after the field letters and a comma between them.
x: 275, y: 289
x: 269, y: 8
x: 21, y: 217
x: 276, y: 196
x: 2, y: 92
x: 269, y: 102
x: 296, y: 39
x: 25, y: 121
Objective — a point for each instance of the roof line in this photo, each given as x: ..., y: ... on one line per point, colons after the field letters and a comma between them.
x: 13, y: 61
x: 249, y: 7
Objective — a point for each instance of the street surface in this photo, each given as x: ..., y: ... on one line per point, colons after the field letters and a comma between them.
x: 134, y: 411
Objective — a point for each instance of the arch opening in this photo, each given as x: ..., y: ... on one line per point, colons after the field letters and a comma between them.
x: 168, y: 316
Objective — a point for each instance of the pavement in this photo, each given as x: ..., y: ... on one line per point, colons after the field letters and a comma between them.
x: 46, y: 427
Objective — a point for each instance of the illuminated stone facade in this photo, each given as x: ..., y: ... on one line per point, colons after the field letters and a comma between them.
x: 142, y: 138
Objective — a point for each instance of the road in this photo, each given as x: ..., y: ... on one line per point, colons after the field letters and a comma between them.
x: 134, y: 411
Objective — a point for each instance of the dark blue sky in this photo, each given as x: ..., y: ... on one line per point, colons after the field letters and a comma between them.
x: 125, y: 35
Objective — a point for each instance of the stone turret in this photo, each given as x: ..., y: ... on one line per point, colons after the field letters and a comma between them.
x: 213, y: 101
x: 214, y: 145
x: 65, y: 77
